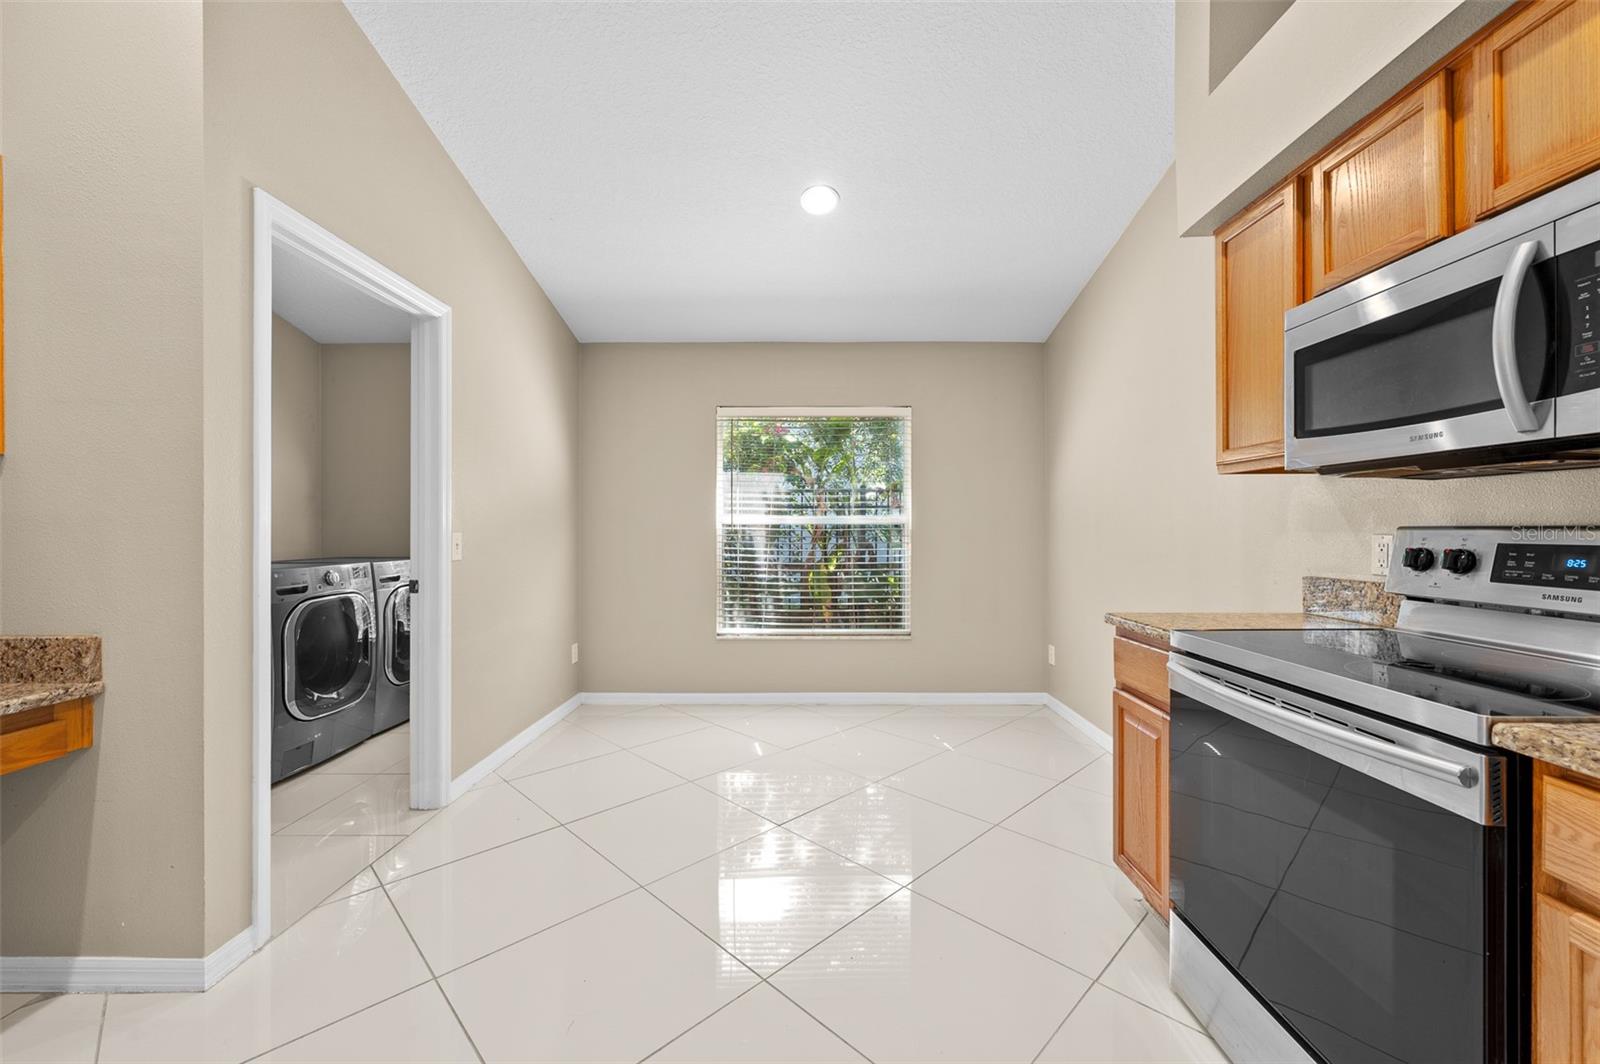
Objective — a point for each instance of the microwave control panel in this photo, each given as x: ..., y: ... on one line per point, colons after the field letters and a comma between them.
x: 1580, y: 279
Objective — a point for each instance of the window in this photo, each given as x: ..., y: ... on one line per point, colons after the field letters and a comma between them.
x: 813, y: 521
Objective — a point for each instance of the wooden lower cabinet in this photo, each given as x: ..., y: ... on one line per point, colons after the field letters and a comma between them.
x: 1566, y: 918
x: 1139, y: 738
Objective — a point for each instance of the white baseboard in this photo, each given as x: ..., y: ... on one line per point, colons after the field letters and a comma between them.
x: 787, y: 698
x: 469, y: 779
x: 124, y: 975
x: 1079, y: 721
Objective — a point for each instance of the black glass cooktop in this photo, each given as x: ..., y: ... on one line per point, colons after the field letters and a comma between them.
x: 1455, y: 687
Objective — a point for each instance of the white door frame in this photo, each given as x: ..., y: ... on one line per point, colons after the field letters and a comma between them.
x: 279, y: 228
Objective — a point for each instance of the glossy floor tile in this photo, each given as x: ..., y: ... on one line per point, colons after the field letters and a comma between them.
x: 587, y: 787
x: 913, y: 981
x: 760, y: 1026
x: 463, y: 910
x: 1070, y: 908
x: 561, y: 745
x: 477, y: 821
x: 512, y: 924
x: 664, y: 832
x: 784, y: 785
x: 416, y: 1026
x: 616, y: 983
x: 978, y: 788
x: 770, y: 899
x: 339, y: 959
x: 1109, y: 1027
x: 388, y: 752
x: 896, y: 834
x: 63, y: 1027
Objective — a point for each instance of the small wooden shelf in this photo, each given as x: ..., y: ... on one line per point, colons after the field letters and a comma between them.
x: 35, y: 736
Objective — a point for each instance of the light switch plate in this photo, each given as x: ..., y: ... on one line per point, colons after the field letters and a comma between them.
x: 574, y: 653
x: 1050, y: 653
x: 1382, y: 548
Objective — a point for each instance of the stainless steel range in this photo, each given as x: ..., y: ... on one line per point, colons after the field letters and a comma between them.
x: 1350, y: 855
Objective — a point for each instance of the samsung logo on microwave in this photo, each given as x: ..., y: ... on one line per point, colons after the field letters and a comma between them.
x: 1547, y: 596
x: 1420, y: 436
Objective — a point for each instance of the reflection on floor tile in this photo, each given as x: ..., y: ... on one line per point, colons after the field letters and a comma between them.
x: 1110, y: 1027
x: 472, y: 823
x: 895, y: 834
x: 1069, y: 817
x: 785, y: 727
x: 1047, y: 755
x: 664, y: 832
x: 945, y: 730
x: 306, y: 868
x: 587, y: 787
x: 414, y: 1026
x: 1067, y: 907
x: 1140, y: 972
x: 299, y: 795
x: 769, y: 899
x: 642, y: 726
x: 616, y: 983
x: 762, y: 1026
x: 561, y: 745
x: 379, y: 805
x: 978, y: 788
x: 784, y: 785
x: 913, y: 981
x: 868, y: 753
x: 64, y: 1027
x: 460, y: 911
x: 339, y: 959
x: 389, y: 752
x: 700, y: 753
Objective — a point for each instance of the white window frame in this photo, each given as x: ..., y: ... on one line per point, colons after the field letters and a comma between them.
x: 724, y: 412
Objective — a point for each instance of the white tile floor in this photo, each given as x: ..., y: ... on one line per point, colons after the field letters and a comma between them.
x: 692, y: 883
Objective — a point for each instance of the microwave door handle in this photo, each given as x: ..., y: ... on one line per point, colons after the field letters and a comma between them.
x: 1503, y: 339
x: 1274, y: 718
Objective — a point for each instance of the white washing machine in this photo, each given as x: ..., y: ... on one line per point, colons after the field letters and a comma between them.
x: 392, y: 594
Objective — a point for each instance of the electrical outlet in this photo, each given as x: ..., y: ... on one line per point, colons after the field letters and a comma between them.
x: 574, y: 653
x: 1382, y: 548
x: 1050, y: 653
x: 455, y: 546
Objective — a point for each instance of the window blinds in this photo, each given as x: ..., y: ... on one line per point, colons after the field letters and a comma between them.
x: 813, y: 521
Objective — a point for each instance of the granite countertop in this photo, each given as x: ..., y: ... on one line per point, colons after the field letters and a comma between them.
x: 1325, y: 602
x: 40, y: 671
x: 1570, y: 744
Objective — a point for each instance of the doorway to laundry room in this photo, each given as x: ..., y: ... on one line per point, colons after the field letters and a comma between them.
x: 351, y: 754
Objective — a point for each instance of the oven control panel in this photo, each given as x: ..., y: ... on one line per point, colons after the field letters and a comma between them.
x: 1553, y: 569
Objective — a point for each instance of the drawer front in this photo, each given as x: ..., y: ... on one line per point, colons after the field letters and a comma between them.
x: 1141, y: 669
x: 1569, y: 826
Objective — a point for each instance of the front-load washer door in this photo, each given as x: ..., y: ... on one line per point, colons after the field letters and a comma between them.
x: 397, y: 627
x: 327, y: 664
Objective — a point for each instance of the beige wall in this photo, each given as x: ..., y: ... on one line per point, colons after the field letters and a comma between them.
x: 1139, y: 519
x: 297, y: 102
x: 341, y: 447
x: 366, y: 449
x: 647, y: 448
x: 100, y: 853
x: 296, y: 443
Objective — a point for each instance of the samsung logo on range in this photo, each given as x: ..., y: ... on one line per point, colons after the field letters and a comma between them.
x: 1548, y: 597
x: 1418, y: 437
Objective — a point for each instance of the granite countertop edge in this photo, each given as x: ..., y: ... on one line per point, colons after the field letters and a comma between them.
x: 1160, y: 626
x: 1571, y: 745
x: 19, y: 697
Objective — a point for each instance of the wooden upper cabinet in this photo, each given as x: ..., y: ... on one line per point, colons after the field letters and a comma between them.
x: 1382, y: 191
x: 1535, y: 103
x: 1258, y: 278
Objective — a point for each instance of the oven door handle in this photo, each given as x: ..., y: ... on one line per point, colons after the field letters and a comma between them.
x: 1274, y: 718
x: 1503, y: 339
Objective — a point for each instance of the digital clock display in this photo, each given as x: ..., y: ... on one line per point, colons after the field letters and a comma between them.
x: 1575, y: 562
x: 1551, y: 565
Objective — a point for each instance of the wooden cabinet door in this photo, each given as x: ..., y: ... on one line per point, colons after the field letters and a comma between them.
x: 1566, y: 983
x: 1384, y: 190
x: 1258, y: 278
x: 1535, y: 103
x: 1139, y: 789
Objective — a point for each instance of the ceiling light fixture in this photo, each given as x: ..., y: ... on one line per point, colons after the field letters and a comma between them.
x: 819, y: 199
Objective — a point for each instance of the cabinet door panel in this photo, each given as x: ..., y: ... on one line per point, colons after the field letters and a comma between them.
x: 1258, y: 278
x: 1566, y: 965
x: 1384, y: 190
x: 1139, y: 763
x: 1536, y: 102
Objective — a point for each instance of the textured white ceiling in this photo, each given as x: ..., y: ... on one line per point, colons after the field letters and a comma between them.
x: 646, y: 159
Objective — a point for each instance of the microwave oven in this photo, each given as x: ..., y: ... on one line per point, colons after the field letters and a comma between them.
x: 1477, y: 354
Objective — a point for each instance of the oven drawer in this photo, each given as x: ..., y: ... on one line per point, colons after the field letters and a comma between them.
x: 1569, y: 826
